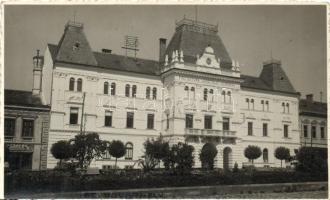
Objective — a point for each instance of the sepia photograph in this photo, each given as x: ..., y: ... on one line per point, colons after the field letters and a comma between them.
x: 203, y: 101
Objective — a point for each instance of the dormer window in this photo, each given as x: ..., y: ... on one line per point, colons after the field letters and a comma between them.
x: 76, y: 46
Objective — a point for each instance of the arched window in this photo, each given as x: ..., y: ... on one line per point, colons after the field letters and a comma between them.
x: 248, y: 102
x: 71, y: 84
x: 148, y: 93
x: 229, y: 96
x: 113, y: 88
x: 79, y: 85
x: 154, y: 93
x: 263, y: 105
x: 192, y: 89
x: 287, y: 107
x: 106, y: 88
x: 283, y: 105
x: 265, y: 155
x: 134, y: 91
x: 205, y: 94
x: 129, y: 151
x: 252, y: 103
x: 267, y: 105
x: 223, y: 95
x: 186, y: 91
x: 211, y: 95
x: 127, y: 87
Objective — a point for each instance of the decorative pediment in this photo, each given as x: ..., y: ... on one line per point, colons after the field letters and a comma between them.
x: 208, y: 58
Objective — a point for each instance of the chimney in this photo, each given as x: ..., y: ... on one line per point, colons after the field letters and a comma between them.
x: 107, y: 51
x: 309, y: 97
x: 37, y: 73
x: 162, y: 49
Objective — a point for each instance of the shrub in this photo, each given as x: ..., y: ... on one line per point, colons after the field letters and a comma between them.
x: 282, y: 153
x: 117, y: 149
x: 182, y: 155
x: 252, y: 152
x: 312, y: 159
x: 61, y: 150
x: 86, y: 147
x: 155, y: 150
x: 207, y: 155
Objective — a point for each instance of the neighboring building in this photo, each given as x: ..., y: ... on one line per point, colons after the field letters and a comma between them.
x: 26, y: 126
x: 313, y: 120
x: 195, y: 93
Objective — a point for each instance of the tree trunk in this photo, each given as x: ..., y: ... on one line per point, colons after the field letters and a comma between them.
x: 60, y: 163
x: 281, y: 163
x: 116, y: 164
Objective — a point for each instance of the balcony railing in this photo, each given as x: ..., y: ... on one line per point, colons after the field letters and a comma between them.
x: 210, y: 132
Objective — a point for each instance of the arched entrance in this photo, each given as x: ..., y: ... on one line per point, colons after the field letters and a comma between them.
x: 207, y: 155
x: 227, y: 158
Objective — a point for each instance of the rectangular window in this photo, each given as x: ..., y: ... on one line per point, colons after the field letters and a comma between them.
x: 265, y: 129
x: 305, y: 131
x: 189, y: 121
x: 250, y: 128
x: 167, y: 121
x: 108, y: 118
x: 130, y: 120
x: 150, y: 123
x: 208, y: 122
x: 73, y: 115
x: 313, y: 131
x: 286, y: 131
x: 27, y: 130
x: 225, y: 124
x: 10, y: 127
x: 322, y: 132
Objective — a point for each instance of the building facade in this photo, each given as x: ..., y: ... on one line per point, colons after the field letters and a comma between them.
x: 194, y: 93
x: 313, y: 122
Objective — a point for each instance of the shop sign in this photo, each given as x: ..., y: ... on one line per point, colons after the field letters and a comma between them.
x: 20, y: 147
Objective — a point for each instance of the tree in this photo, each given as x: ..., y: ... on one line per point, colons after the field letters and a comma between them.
x: 182, y: 157
x: 117, y: 149
x: 86, y: 147
x: 155, y: 150
x: 252, y: 152
x: 282, y: 153
x: 312, y: 159
x: 207, y: 155
x: 61, y: 150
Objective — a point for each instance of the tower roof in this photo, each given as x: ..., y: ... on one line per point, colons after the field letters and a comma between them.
x: 74, y: 47
x: 192, y: 37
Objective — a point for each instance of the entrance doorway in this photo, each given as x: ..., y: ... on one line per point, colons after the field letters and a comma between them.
x: 20, y: 160
x: 227, y: 158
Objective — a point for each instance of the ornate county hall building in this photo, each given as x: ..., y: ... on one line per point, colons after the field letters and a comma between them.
x: 195, y: 93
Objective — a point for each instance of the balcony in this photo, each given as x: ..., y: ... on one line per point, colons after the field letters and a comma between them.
x: 210, y: 132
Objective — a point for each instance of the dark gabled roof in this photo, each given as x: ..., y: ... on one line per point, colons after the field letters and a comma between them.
x: 52, y: 49
x: 254, y: 82
x: 312, y: 108
x: 22, y: 98
x: 193, y: 37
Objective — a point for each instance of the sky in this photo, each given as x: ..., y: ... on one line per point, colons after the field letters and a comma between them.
x: 252, y: 34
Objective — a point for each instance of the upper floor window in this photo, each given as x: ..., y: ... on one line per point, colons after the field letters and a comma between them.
x: 113, y: 88
x: 322, y: 132
x: 154, y: 93
x: 288, y: 107
x: 207, y: 122
x: 134, y: 91
x: 225, y: 124
x: 129, y: 151
x: 189, y: 121
x: 252, y: 104
x: 71, y: 84
x: 211, y: 95
x: 267, y: 105
x: 130, y: 120
x: 106, y: 88
x: 28, y: 125
x: 223, y: 95
x: 286, y: 130
x: 73, y: 115
x: 283, y: 107
x: 248, y: 102
x: 150, y: 122
x: 127, y: 88
x: 229, y: 96
x: 108, y: 118
x: 313, y: 131
x: 167, y: 121
x: 186, y: 92
x: 250, y: 128
x: 305, y: 131
x: 205, y: 94
x: 79, y: 85
x: 192, y: 89
x: 10, y: 127
x: 148, y: 93
x: 263, y: 105
x: 265, y: 129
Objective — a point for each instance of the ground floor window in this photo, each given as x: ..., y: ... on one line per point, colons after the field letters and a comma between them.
x: 129, y: 151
